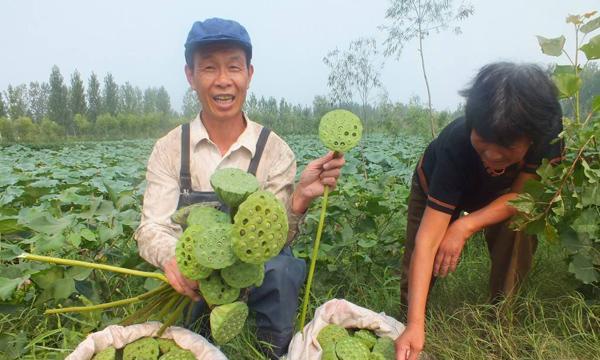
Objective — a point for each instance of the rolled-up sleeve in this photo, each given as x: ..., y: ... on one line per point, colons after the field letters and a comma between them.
x: 157, y: 235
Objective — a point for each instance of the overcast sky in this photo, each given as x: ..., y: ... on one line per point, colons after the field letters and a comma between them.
x: 142, y: 42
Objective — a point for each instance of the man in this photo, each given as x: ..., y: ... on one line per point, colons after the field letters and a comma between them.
x: 218, y: 67
x: 478, y: 164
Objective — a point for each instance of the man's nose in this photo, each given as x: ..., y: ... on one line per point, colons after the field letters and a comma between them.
x: 493, y: 156
x: 223, y: 78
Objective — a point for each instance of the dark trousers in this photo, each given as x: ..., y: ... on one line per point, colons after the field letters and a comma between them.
x: 511, y: 252
x: 275, y: 303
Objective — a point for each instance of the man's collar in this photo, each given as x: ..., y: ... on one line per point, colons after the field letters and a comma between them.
x: 247, y: 138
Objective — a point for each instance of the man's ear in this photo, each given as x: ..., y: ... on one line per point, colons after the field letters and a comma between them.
x: 189, y: 75
x: 250, y: 73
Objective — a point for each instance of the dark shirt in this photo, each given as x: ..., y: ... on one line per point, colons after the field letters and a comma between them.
x: 454, y: 178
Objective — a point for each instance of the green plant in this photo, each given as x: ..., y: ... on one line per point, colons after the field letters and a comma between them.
x: 564, y: 204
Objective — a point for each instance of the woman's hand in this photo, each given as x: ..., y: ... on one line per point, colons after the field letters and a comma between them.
x: 410, y: 343
x: 180, y: 283
x: 448, y: 254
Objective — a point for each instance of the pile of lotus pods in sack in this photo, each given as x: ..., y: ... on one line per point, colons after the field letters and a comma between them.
x: 146, y: 348
x: 227, y: 254
x: 339, y: 343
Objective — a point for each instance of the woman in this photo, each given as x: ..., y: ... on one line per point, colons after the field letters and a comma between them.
x: 477, y: 164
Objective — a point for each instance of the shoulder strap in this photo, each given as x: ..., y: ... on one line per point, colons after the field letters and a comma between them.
x: 185, y: 178
x: 260, y: 147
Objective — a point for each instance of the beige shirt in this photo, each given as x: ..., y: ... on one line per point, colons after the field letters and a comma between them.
x: 157, y: 235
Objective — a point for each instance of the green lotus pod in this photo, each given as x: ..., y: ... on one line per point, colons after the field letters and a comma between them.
x: 233, y: 186
x: 367, y: 337
x: 329, y: 354
x: 261, y: 278
x: 350, y: 348
x: 178, y: 354
x: 180, y: 216
x: 227, y: 321
x: 386, y: 347
x: 110, y: 353
x: 214, y: 246
x: 216, y: 291
x: 142, y: 349
x: 166, y: 345
x: 206, y: 215
x: 340, y: 130
x: 242, y: 275
x: 260, y: 228
x: 185, y: 254
x: 330, y: 335
x: 377, y: 356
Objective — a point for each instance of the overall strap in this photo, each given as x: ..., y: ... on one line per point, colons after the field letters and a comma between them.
x: 260, y: 147
x: 185, y: 178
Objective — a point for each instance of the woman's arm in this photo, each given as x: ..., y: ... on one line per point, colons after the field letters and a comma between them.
x: 429, y: 236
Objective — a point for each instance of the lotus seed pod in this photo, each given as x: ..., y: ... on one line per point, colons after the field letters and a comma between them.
x: 227, y: 321
x: 216, y: 291
x: 350, y: 348
x: 242, y: 275
x: 260, y: 228
x: 185, y: 254
x: 377, y: 356
x: 166, y: 345
x: 340, y: 130
x: 213, y: 247
x: 110, y: 353
x: 367, y: 337
x: 180, y: 216
x: 178, y: 354
x: 142, y: 349
x: 261, y: 277
x: 207, y: 215
x: 386, y: 347
x: 233, y: 186
x: 330, y: 335
x: 329, y: 354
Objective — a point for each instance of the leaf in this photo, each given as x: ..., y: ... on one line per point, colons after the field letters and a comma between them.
x: 552, y: 47
x: 596, y: 103
x: 592, y: 48
x: 524, y: 203
x: 587, y: 222
x: 46, y: 278
x: 78, y: 273
x: 13, y: 347
x: 10, y: 193
x: 40, y: 220
x: 567, y: 84
x: 584, y: 269
x: 574, y: 19
x: 8, y: 287
x: 569, y: 239
x: 63, y: 288
x: 590, y: 26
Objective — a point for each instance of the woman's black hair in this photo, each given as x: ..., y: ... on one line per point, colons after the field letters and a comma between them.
x: 507, y: 102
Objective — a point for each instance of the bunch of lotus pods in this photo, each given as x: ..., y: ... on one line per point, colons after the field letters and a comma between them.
x: 338, y: 343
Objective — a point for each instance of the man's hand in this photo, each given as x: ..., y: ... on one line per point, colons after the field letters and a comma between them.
x: 448, y: 254
x: 318, y: 173
x: 410, y: 343
x: 180, y: 283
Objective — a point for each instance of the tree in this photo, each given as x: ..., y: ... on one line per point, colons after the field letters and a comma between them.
x: 94, y: 99
x: 77, y: 95
x: 38, y: 100
x: 149, y: 100
x: 2, y: 106
x: 354, y: 71
x: 57, y: 100
x: 131, y: 99
x: 191, y: 105
x: 110, y: 95
x: 163, y: 101
x: 17, y: 104
x: 412, y: 19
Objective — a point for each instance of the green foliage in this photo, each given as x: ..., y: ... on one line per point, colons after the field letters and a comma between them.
x: 564, y: 205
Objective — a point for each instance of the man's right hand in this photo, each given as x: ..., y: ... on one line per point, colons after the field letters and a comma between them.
x: 180, y: 283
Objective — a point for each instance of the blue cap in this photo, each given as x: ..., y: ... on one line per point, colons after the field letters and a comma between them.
x: 216, y: 30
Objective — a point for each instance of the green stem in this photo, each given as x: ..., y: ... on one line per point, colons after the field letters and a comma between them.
x: 174, y: 316
x: 168, y: 306
x: 313, y: 260
x: 146, y: 311
x: 108, y: 305
x: 90, y: 265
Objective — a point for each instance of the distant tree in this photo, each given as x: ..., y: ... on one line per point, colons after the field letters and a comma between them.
x: 2, y: 106
x: 17, y: 102
x: 38, y: 100
x: 94, y: 98
x: 131, y: 99
x: 354, y: 72
x: 150, y: 100
x: 77, y: 95
x: 110, y: 95
x: 412, y: 19
x: 57, y: 100
x: 191, y: 105
x: 163, y: 101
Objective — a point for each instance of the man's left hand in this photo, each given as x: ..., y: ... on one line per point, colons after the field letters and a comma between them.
x: 448, y: 254
x: 318, y: 173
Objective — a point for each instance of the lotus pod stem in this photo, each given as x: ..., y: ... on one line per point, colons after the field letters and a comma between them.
x: 175, y: 315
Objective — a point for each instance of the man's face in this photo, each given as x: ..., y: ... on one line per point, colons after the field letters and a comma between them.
x: 221, y: 79
x: 498, y: 157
